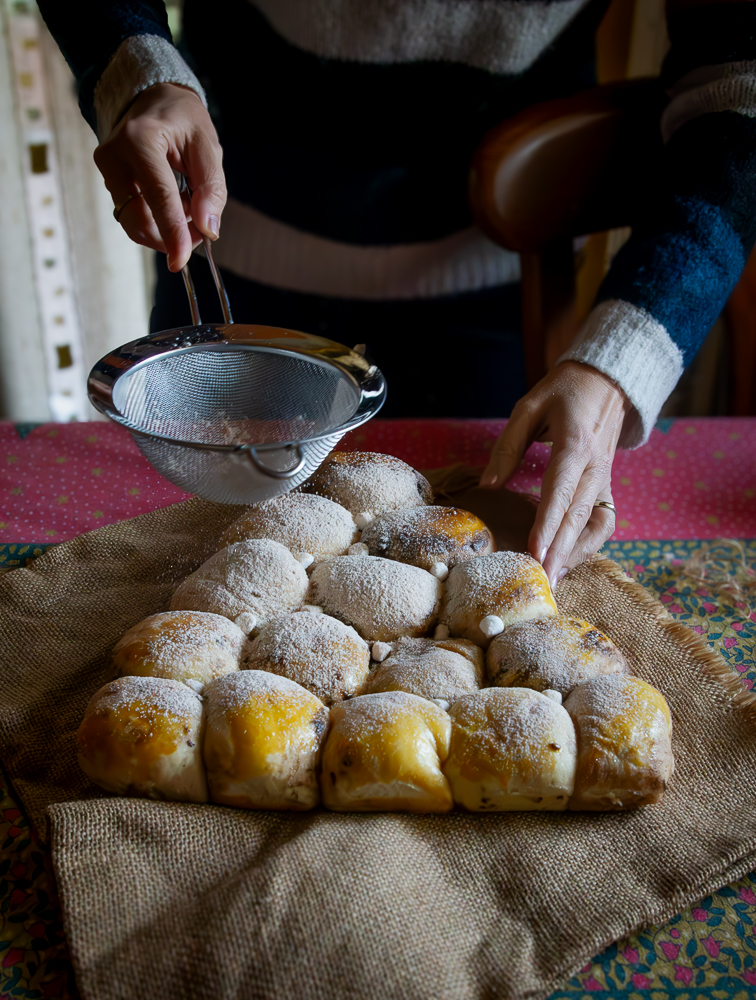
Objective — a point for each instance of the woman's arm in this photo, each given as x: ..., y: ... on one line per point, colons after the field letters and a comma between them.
x: 664, y: 290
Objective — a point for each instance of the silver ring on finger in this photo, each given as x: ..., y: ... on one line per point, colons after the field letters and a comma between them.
x: 607, y: 504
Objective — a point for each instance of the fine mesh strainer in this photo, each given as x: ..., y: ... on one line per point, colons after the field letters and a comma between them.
x: 235, y: 413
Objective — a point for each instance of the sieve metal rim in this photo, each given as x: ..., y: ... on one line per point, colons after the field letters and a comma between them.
x: 125, y: 360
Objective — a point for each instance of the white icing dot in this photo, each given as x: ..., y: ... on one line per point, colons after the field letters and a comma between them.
x: 358, y: 549
x: 305, y: 559
x: 380, y: 651
x: 363, y: 519
x: 442, y: 632
x: 554, y: 695
x: 312, y: 609
x: 491, y: 625
x: 440, y: 570
x: 246, y: 621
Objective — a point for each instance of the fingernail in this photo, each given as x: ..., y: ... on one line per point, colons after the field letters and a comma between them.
x: 488, y: 479
x: 562, y: 574
x: 542, y: 555
x: 213, y: 225
x: 171, y: 263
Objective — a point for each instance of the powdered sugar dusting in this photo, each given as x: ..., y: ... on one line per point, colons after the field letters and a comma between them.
x: 319, y: 652
x: 425, y: 536
x: 305, y: 524
x: 557, y: 652
x: 365, y: 481
x: 427, y: 669
x: 148, y: 698
x: 380, y: 598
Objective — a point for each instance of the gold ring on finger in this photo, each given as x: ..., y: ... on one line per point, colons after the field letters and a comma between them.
x: 607, y: 504
x: 117, y: 209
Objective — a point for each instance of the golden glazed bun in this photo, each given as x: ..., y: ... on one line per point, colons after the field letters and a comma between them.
x: 249, y: 582
x: 624, y: 731
x: 382, y: 599
x: 554, y: 653
x: 181, y: 646
x: 508, y: 587
x: 426, y: 536
x: 142, y: 736
x: 263, y: 742
x: 442, y: 671
x: 384, y: 754
x: 365, y: 481
x: 319, y: 652
x: 511, y: 749
x: 307, y: 525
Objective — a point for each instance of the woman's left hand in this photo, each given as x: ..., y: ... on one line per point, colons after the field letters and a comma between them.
x: 581, y: 412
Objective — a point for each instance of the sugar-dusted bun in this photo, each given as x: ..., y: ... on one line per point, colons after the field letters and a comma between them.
x: 507, y: 586
x: 554, y: 653
x: 511, y: 749
x: 624, y: 731
x: 382, y: 599
x: 181, y: 646
x: 319, y: 652
x: 263, y: 742
x: 304, y: 523
x: 367, y: 481
x: 440, y: 670
x: 384, y: 754
x: 249, y: 582
x: 426, y: 536
x: 143, y: 736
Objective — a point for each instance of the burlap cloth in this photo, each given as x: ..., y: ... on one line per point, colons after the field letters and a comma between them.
x: 181, y: 901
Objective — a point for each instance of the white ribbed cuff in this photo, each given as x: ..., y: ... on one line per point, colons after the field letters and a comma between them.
x: 710, y: 89
x: 635, y: 351
x: 139, y: 62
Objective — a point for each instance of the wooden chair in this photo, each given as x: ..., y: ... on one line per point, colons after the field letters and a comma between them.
x: 556, y: 171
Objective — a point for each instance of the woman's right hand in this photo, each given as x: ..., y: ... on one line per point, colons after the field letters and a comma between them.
x: 166, y: 128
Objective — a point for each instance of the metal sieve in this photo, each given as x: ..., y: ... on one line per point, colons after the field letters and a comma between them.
x: 231, y: 412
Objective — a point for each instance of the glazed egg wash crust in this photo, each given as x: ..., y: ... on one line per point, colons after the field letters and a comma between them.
x: 356, y: 648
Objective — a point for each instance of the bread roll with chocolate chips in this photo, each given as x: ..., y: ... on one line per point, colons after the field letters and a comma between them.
x: 554, y: 653
x: 319, y: 652
x: 142, y: 736
x: 429, y: 537
x: 511, y: 749
x: 441, y: 671
x: 506, y: 587
x: 304, y: 523
x: 263, y: 742
x: 382, y: 599
x: 249, y: 582
x: 384, y: 754
x: 368, y: 482
x: 188, y: 646
x: 624, y: 731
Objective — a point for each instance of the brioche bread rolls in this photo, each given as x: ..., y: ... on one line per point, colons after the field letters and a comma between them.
x: 511, y: 749
x: 263, y: 741
x: 380, y: 598
x: 384, y: 753
x: 428, y: 536
x: 441, y: 671
x: 307, y: 525
x: 142, y: 736
x: 364, y: 481
x: 624, y: 734
x: 319, y: 652
x: 554, y: 653
x: 249, y: 582
x: 182, y: 646
x: 507, y: 586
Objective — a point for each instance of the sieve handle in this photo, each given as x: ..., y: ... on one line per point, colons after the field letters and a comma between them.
x: 275, y: 473
x: 183, y: 186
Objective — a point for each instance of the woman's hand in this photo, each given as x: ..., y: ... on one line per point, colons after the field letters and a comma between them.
x: 581, y: 412
x: 166, y: 128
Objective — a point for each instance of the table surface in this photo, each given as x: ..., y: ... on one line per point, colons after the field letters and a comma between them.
x: 687, y: 520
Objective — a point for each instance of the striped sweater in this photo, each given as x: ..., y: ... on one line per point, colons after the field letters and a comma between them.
x: 348, y: 128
